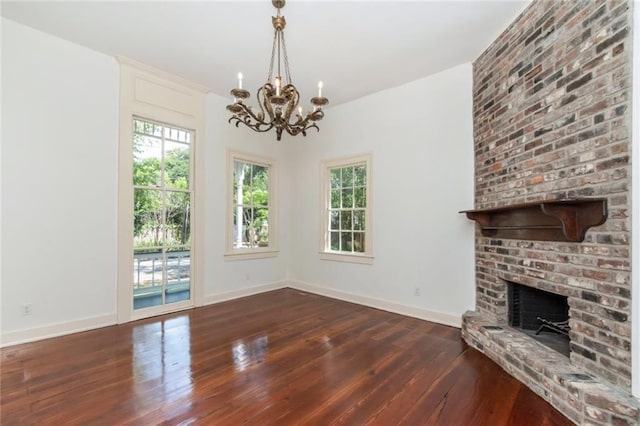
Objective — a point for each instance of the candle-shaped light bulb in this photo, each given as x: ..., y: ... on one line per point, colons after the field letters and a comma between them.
x: 277, y: 86
x: 320, y: 89
x: 239, y: 80
x: 300, y: 111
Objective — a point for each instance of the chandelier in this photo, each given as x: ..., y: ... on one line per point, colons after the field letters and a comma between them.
x: 277, y: 99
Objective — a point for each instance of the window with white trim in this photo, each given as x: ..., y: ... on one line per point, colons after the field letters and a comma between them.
x: 346, y: 215
x: 252, y: 206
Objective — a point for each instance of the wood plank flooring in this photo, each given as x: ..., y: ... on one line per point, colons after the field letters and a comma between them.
x: 283, y: 357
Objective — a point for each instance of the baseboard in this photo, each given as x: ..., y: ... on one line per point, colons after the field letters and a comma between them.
x: 61, y: 329
x: 249, y: 291
x: 54, y: 330
x: 385, y: 305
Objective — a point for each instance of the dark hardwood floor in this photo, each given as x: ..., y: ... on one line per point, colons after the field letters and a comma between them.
x: 283, y: 357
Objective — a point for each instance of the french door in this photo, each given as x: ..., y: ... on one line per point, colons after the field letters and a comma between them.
x: 162, y: 216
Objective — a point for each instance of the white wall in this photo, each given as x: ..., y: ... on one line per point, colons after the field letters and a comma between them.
x: 59, y: 144
x: 421, y: 137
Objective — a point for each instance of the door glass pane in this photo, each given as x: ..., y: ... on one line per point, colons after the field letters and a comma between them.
x: 148, y: 278
x: 147, y: 160
x: 148, y: 218
x: 178, y: 225
x: 176, y: 164
x: 178, y: 286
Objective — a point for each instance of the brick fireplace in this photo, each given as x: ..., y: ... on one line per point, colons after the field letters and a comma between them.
x: 552, y: 120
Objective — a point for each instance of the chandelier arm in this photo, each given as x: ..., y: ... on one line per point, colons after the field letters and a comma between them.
x: 257, y: 127
x: 263, y: 101
x: 294, y: 130
x: 294, y: 98
x: 246, y: 115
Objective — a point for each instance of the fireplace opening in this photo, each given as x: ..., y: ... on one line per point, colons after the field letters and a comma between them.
x: 540, y: 314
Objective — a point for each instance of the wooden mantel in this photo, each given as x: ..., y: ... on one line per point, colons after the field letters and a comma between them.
x: 553, y: 220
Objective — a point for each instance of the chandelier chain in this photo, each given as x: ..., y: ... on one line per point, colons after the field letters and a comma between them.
x: 286, y: 61
x: 273, y: 55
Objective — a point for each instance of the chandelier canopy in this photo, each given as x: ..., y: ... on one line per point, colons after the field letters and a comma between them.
x: 277, y: 99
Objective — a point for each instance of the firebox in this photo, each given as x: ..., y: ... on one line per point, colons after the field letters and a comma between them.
x: 540, y: 314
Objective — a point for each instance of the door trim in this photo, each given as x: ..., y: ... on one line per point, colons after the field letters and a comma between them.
x: 156, y: 95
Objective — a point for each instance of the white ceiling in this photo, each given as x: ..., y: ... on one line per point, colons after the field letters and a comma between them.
x: 355, y: 47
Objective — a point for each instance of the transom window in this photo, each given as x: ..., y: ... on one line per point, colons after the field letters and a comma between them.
x: 346, y: 213
x: 252, y: 206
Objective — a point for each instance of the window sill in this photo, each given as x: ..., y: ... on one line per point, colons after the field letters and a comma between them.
x: 348, y: 258
x: 248, y: 255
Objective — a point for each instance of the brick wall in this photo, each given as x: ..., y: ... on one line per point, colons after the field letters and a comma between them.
x: 552, y: 120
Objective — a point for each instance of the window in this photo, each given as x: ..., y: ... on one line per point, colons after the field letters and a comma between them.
x: 252, y: 215
x: 346, y: 215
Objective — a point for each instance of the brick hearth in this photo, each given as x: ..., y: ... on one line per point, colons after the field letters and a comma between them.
x: 552, y: 121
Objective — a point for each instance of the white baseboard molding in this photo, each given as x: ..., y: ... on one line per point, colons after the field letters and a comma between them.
x: 385, y: 305
x: 235, y: 294
x: 54, y: 330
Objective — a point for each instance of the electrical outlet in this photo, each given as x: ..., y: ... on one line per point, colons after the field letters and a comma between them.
x: 26, y: 310
x: 418, y: 292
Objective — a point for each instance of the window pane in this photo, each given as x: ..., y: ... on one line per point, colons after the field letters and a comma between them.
x: 260, y: 226
x: 358, y: 220
x: 360, y: 176
x: 347, y: 198
x: 335, y: 178
x: 260, y: 186
x: 347, y: 177
x: 358, y: 242
x: 147, y: 158
x: 239, y: 182
x: 238, y: 234
x: 335, y: 241
x: 148, y: 220
x: 334, y: 220
x: 335, y: 198
x: 178, y: 274
x: 345, y: 221
x: 360, y: 197
x: 345, y: 244
x: 248, y: 233
x: 176, y: 165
